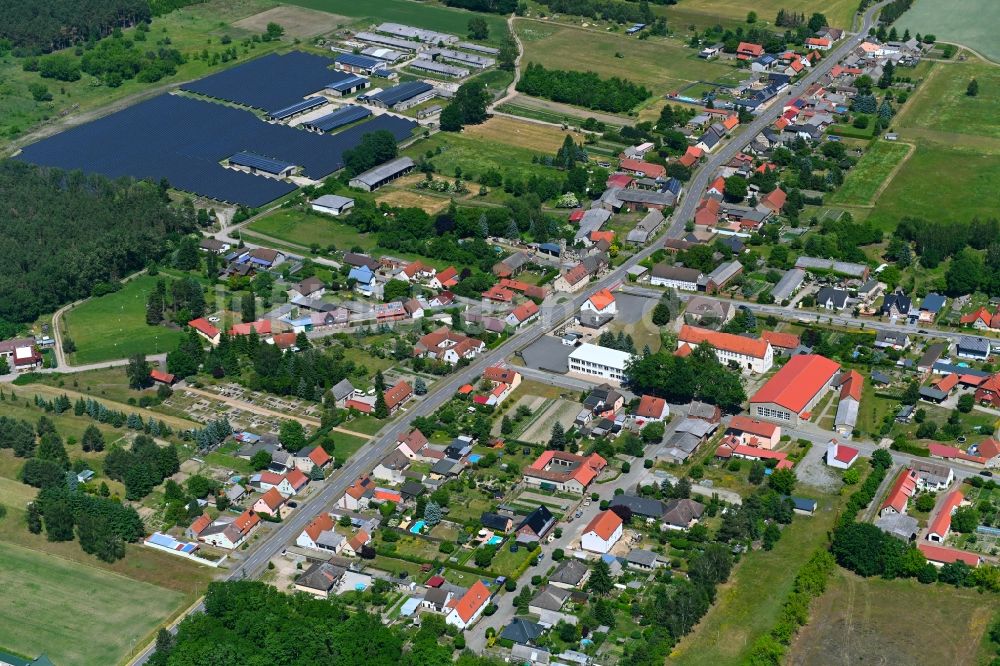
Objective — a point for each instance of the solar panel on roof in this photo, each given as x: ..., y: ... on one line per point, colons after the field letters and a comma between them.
x: 255, y: 161
x: 338, y: 118
x: 353, y: 82
x: 356, y: 60
x: 402, y: 92
x: 183, y: 140
x: 298, y: 107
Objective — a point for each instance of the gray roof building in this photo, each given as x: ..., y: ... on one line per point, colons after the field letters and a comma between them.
x: 382, y: 174
x: 641, y: 558
x: 788, y: 284
x: 680, y: 512
x: 570, y: 572
x: 549, y: 597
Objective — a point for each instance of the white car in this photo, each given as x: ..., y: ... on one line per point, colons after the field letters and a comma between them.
x: 214, y: 320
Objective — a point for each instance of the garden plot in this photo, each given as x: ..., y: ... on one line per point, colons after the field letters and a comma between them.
x: 562, y: 411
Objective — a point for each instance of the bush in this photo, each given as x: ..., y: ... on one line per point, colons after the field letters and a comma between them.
x: 861, y: 122
x: 447, y: 547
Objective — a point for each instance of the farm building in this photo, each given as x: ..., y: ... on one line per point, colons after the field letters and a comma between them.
x: 375, y: 178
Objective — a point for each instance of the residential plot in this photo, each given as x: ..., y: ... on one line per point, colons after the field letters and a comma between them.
x: 859, y: 619
x: 558, y: 411
x: 46, y: 597
x: 660, y: 64
x: 114, y: 326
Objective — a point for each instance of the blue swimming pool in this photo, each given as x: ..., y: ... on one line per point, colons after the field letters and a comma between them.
x: 474, y: 458
x: 494, y: 540
x: 418, y: 527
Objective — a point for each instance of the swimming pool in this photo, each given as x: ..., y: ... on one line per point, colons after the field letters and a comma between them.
x: 418, y: 526
x: 494, y: 540
x: 474, y: 458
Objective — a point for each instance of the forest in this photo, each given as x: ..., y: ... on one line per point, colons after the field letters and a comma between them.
x: 40, y: 27
x: 585, y: 89
x: 69, y: 234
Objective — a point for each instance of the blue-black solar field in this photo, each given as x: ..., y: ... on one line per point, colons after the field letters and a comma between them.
x: 270, y: 82
x: 184, y: 139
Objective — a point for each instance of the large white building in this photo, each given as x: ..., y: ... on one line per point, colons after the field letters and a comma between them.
x: 602, y: 533
x: 588, y: 359
x: 757, y: 356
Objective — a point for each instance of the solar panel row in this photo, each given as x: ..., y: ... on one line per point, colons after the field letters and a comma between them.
x: 271, y: 82
x: 254, y: 161
x: 338, y: 118
x: 184, y: 140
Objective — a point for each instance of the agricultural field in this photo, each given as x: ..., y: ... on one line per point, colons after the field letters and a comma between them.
x: 297, y: 21
x: 304, y: 228
x: 190, y: 30
x: 942, y: 105
x: 405, y: 198
x: 420, y: 15
x: 662, y: 65
x: 966, y: 22
x: 840, y: 13
x: 114, y: 326
x: 870, y: 173
x: 858, y: 620
x: 47, y: 596
x: 747, y: 606
x: 512, y: 132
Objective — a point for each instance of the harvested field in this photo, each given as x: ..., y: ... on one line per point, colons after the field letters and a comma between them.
x: 297, y: 21
x: 523, y: 134
x: 411, y: 199
x: 559, y: 410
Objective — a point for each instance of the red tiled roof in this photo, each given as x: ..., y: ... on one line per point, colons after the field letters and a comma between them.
x: 199, y: 525
x: 947, y: 383
x: 475, y: 598
x: 271, y: 478
x: 448, y: 277
x: 296, y: 478
x: 851, y: 385
x: 947, y: 555
x: 749, y: 48
x: 586, y: 470
x: 359, y: 488
x: 683, y: 351
x: 246, y: 521
x: 774, y: 199
x: 466, y: 389
x: 284, y: 340
x: 602, y: 299
x: 730, y: 122
x: 598, y: 236
x: 719, y: 185
x: 901, y: 491
x: 724, y: 341
x: 203, y: 326
x: 498, y: 293
x: 321, y: 523
x: 981, y: 314
x: 319, y: 456
x: 158, y: 376
x: 363, y: 407
x: 434, y: 581
x: 272, y: 499
x: 752, y: 426
x: 414, y: 440
x: 651, y: 170
x: 385, y: 495
x: 261, y: 326
x: 650, y: 407
x: 614, y: 180
x: 817, y: 41
x: 525, y: 311
x: 397, y: 394
x: 782, y: 340
x: 358, y: 540
x: 496, y: 373
x: 845, y: 454
x: 575, y: 274
x: 943, y: 450
x: 797, y: 382
x: 732, y: 446
x: 942, y: 521
x: 989, y: 448
x: 514, y: 285
x: 604, y: 524
x: 577, y: 214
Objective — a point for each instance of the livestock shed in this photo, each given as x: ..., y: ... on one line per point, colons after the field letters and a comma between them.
x: 402, y: 96
x: 293, y: 110
x: 375, y: 178
x: 347, y: 86
x: 343, y: 116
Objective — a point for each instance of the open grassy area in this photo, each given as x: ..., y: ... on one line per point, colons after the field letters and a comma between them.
x: 475, y: 154
x: 346, y: 445
x: 864, y: 180
x: 969, y: 22
x: 838, y: 12
x: 941, y: 182
x: 305, y: 228
x: 661, y: 64
x: 942, y: 104
x: 748, y: 605
x: 520, y: 134
x: 75, y: 613
x: 114, y: 326
x: 192, y: 29
x: 421, y: 15
x: 874, y: 621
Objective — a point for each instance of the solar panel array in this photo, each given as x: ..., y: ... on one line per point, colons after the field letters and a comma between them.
x: 271, y: 82
x: 255, y: 161
x: 338, y: 118
x: 401, y: 93
x: 298, y: 107
x: 184, y: 140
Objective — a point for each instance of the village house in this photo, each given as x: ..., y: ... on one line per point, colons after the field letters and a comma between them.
x: 269, y: 503
x: 564, y: 471
x: 358, y: 495
x: 757, y: 356
x: 448, y: 346
x: 225, y: 532
x: 602, y: 533
x: 468, y: 609
x: 320, y: 535
x: 754, y: 433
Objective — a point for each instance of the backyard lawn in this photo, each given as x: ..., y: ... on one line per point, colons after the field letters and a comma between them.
x: 748, y: 605
x: 303, y: 228
x: 114, y: 326
x: 47, y: 597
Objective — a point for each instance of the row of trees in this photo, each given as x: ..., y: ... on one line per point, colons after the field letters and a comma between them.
x: 618, y: 11
x: 467, y: 108
x: 51, y: 258
x: 585, y: 89
x: 488, y: 6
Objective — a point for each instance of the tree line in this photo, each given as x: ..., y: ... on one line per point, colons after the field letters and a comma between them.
x: 618, y: 11
x: 486, y: 6
x: 585, y: 89
x: 67, y: 234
